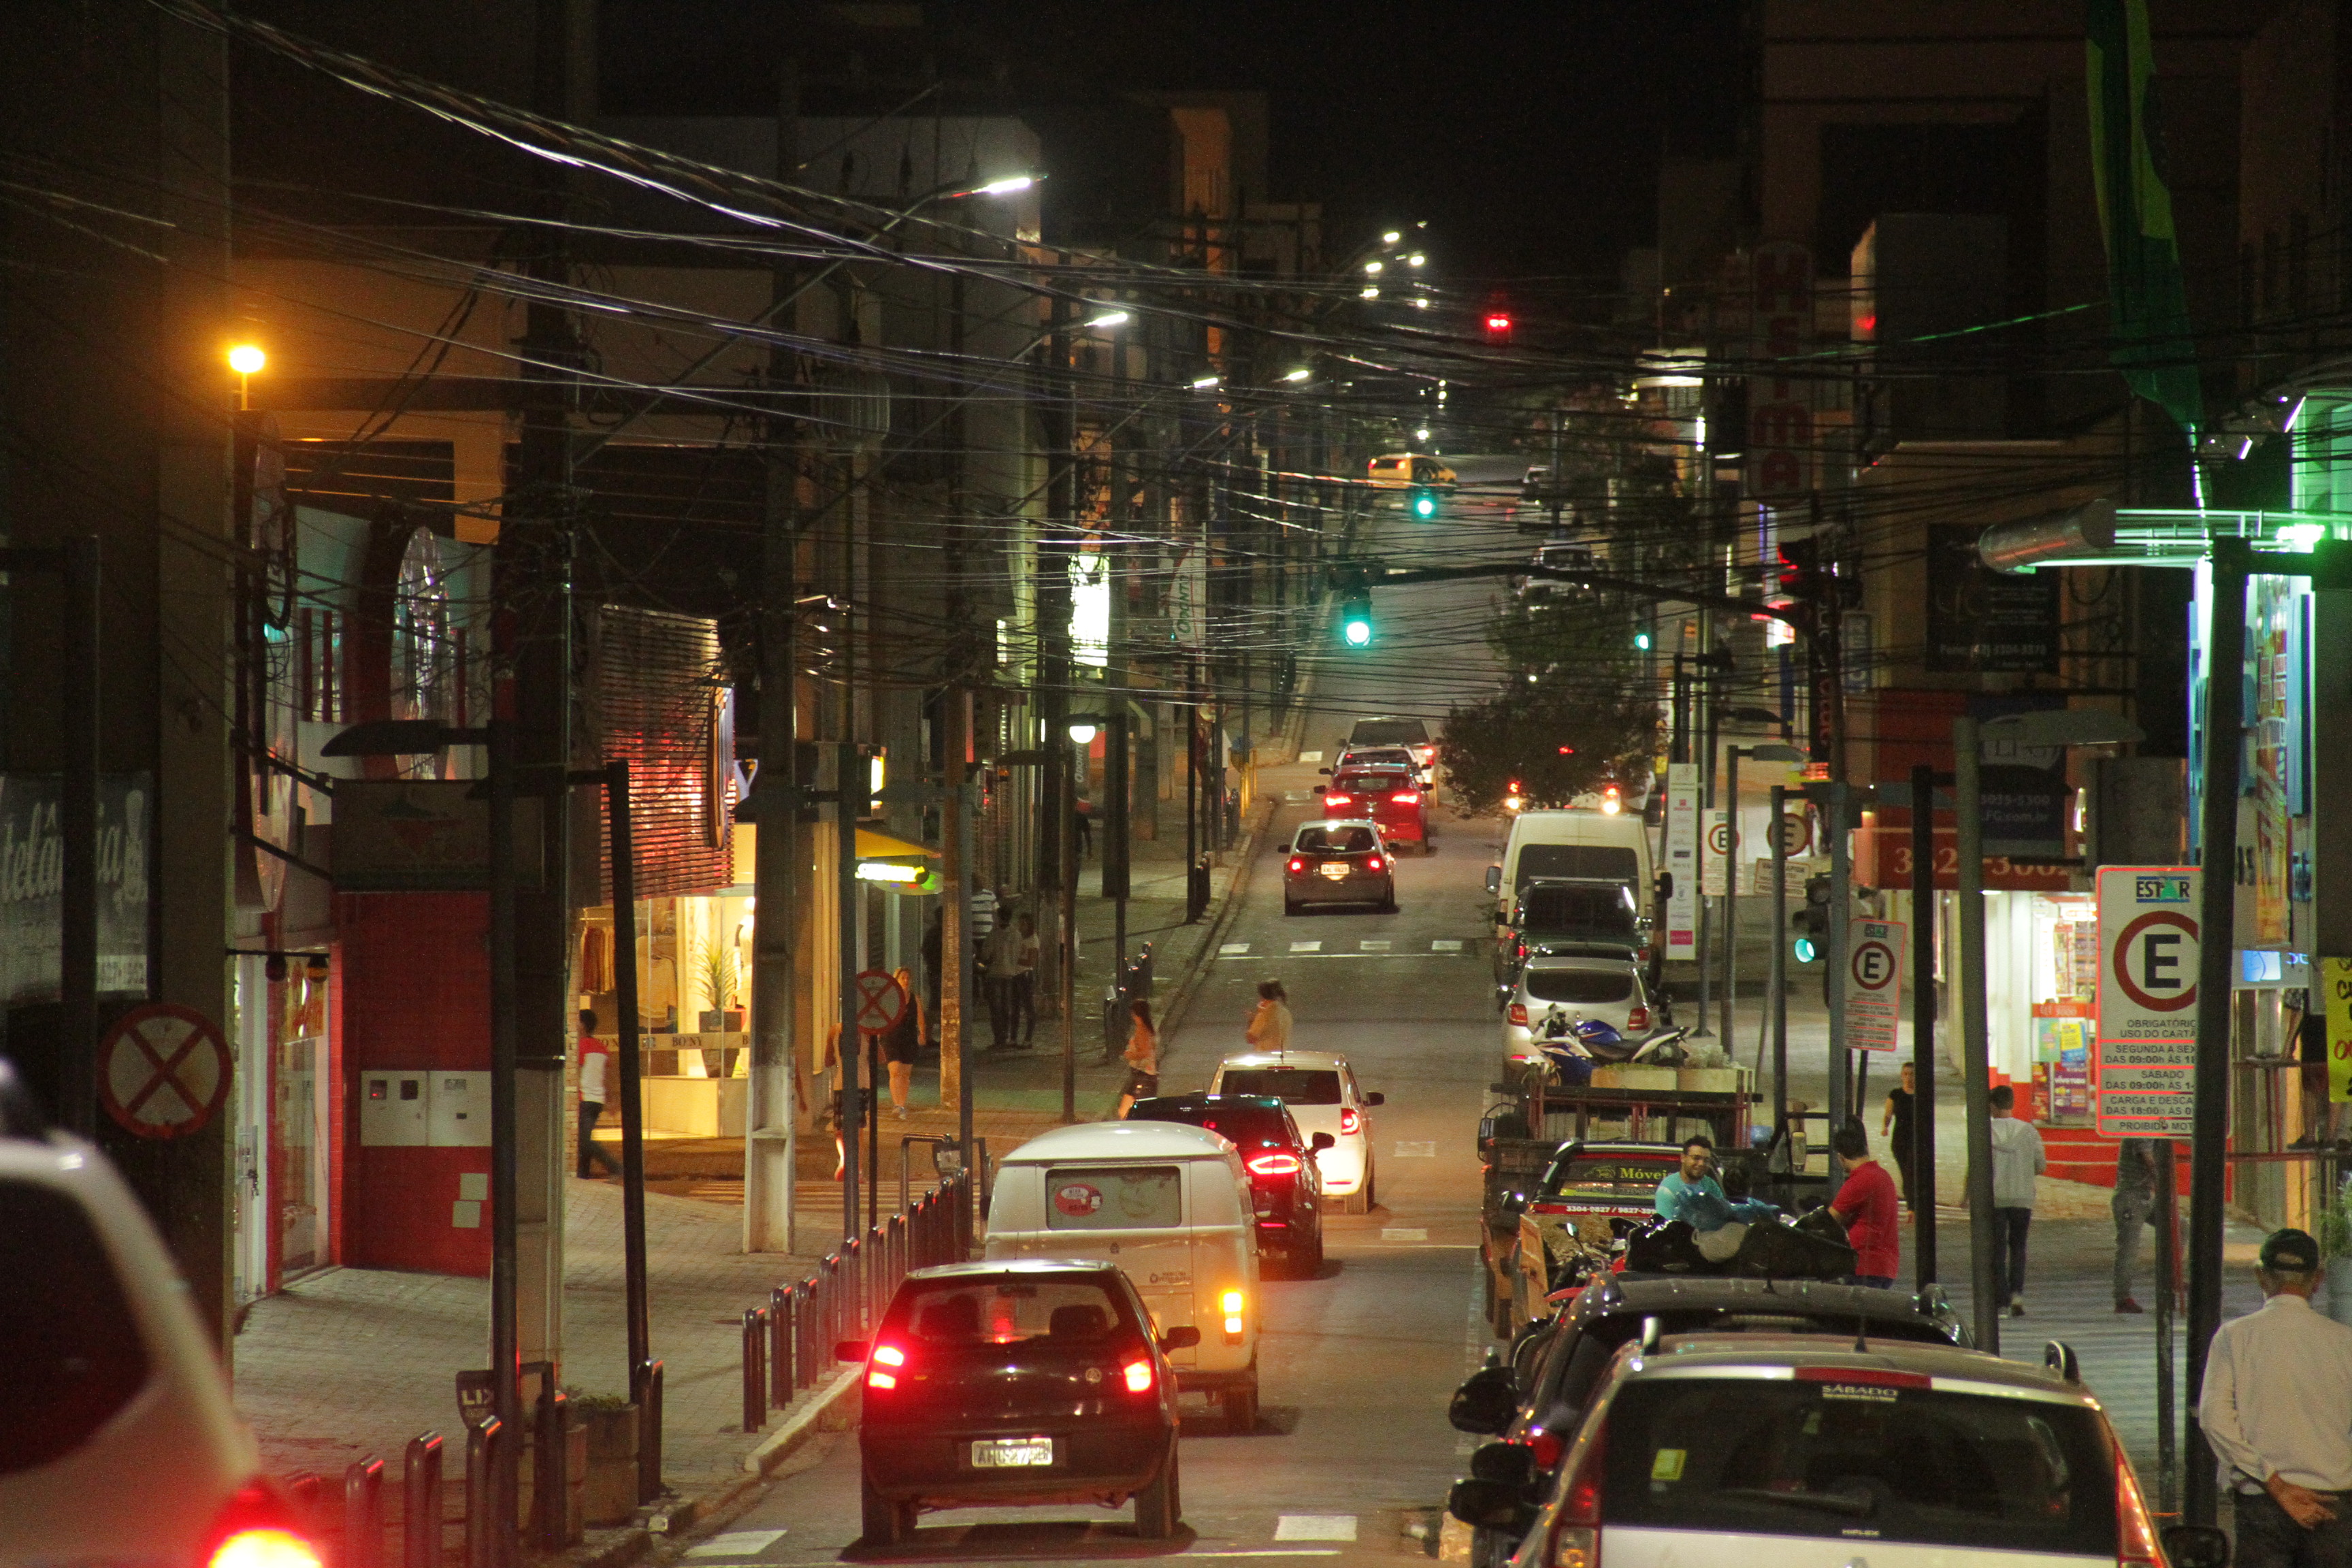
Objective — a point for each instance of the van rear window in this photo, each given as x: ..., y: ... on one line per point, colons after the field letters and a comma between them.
x: 1389, y: 733
x: 1113, y: 1197
x: 1612, y: 861
x: 1294, y: 1086
x: 76, y: 1355
x: 1590, y: 986
x: 1865, y: 1457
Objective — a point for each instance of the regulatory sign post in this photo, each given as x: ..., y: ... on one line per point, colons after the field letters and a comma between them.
x: 881, y: 1001
x: 1873, y: 982
x: 1682, y: 860
x: 2144, y: 1070
x: 163, y: 1070
x: 1715, y: 854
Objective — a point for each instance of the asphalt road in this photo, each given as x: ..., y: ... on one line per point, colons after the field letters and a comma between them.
x: 1352, y: 1456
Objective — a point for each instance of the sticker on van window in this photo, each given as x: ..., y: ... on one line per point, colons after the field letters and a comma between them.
x: 1668, y: 1465
x: 1114, y: 1197
x: 1876, y: 1393
x: 1078, y: 1200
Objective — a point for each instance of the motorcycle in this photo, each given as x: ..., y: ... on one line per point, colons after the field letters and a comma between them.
x: 1571, y: 1036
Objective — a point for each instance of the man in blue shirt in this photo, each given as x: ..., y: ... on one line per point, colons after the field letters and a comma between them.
x: 1698, y: 1154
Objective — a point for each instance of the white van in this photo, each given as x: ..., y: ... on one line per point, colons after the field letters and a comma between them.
x: 1171, y: 1205
x: 1583, y: 844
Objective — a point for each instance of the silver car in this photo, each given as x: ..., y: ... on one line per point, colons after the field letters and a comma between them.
x: 1574, y: 990
x: 1338, y: 862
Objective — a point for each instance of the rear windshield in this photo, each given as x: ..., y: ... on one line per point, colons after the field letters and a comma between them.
x: 1371, y: 783
x: 1860, y: 1459
x: 1380, y: 757
x: 1600, y: 912
x: 1250, y: 1126
x: 1293, y: 1085
x: 1610, y: 1176
x: 1389, y: 465
x: 74, y: 1353
x: 1113, y: 1197
x: 1580, y: 985
x: 1614, y: 861
x: 1336, y: 840
x: 1387, y: 733
x: 1005, y: 1311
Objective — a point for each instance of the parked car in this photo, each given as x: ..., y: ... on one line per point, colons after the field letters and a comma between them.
x: 1600, y: 985
x: 1286, y: 1183
x: 119, y: 1442
x: 1554, y: 555
x: 1172, y: 1205
x: 1538, y: 1408
x: 1338, y: 862
x: 1562, y: 915
x: 1017, y: 1382
x: 1726, y: 1450
x: 1391, y: 797
x: 1321, y: 1091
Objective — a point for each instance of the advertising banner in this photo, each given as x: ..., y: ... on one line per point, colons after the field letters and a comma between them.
x: 1682, y: 860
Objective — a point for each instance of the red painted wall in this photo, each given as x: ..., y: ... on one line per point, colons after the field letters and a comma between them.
x: 415, y: 990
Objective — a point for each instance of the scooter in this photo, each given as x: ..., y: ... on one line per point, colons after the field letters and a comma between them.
x: 1596, y: 1041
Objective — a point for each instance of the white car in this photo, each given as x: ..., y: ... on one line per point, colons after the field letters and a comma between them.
x: 1321, y: 1091
x: 1576, y: 990
x: 1712, y: 1450
x: 118, y: 1439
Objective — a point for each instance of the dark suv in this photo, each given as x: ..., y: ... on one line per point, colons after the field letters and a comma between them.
x: 1035, y: 1382
x: 1285, y: 1181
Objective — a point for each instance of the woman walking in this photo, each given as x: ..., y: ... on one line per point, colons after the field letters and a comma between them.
x: 1269, y: 1025
x: 1142, y: 1060
x: 901, y: 1043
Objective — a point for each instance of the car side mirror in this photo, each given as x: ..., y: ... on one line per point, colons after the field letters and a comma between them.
x: 851, y: 1349
x: 1511, y: 1464
x: 1483, y: 1504
x: 1323, y: 772
x: 1485, y: 1403
x: 1376, y: 1100
x: 2197, y: 1546
x: 1184, y: 1336
x: 1493, y: 878
x: 1322, y: 1140
x: 1321, y: 788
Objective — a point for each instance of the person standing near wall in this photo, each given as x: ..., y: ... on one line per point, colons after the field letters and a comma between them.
x: 2134, y: 1201
x: 1897, y: 1125
x: 1024, y: 982
x: 901, y: 1043
x: 595, y: 1076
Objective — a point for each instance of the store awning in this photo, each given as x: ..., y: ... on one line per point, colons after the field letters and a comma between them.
x: 873, y: 845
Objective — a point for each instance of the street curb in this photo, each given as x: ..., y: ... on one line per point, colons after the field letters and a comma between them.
x: 826, y: 1412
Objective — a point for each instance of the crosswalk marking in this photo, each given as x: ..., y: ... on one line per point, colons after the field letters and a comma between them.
x: 1446, y: 945
x: 737, y: 1543
x: 1417, y: 1149
x: 1315, y: 1526
x: 1374, y: 944
x: 1234, y: 949
x: 1306, y: 947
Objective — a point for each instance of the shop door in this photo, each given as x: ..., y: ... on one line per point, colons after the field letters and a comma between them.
x: 300, y: 1126
x: 251, y: 1097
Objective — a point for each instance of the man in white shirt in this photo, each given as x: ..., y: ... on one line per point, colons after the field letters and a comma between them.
x: 2277, y: 1408
x: 595, y: 1073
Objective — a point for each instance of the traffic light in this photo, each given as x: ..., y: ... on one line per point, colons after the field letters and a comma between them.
x: 1612, y: 799
x: 1641, y: 640
x: 1810, y: 926
x: 1356, y: 617
x: 1424, y: 503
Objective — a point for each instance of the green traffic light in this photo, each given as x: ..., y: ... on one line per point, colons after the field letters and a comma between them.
x: 1642, y: 641
x: 1804, y: 950
x: 1424, y: 505
x: 1357, y: 631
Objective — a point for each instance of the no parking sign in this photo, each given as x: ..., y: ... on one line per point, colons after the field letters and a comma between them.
x: 2143, y: 1085
x: 1873, y: 982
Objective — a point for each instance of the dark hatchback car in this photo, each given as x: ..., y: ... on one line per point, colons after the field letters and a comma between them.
x: 1033, y: 1381
x: 1534, y: 1412
x: 1285, y: 1182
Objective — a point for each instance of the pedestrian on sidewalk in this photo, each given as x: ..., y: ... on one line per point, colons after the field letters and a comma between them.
x: 1866, y: 1205
x: 1269, y: 1025
x: 1082, y: 811
x: 2018, y: 1160
x: 934, y: 950
x: 595, y: 1076
x: 902, y: 1042
x: 2134, y: 1201
x: 1142, y: 1059
x: 1004, y: 966
x: 2278, y: 1385
x: 1897, y: 1124
x: 1024, y: 982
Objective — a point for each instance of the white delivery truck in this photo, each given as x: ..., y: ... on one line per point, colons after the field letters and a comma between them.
x: 1580, y: 844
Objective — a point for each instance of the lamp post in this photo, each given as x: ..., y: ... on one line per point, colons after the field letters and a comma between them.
x: 247, y: 360
x: 2062, y: 727
x: 1769, y: 752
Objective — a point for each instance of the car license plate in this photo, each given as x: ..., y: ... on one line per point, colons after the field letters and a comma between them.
x: 1011, y: 1453
x: 1336, y: 870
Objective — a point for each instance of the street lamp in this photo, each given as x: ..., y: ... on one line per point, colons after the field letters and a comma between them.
x: 247, y: 360
x: 2048, y: 728
x: 1012, y: 184
x: 1769, y: 752
x: 1295, y: 376
x: 1105, y: 321
x: 1205, y: 383
x: 1082, y: 735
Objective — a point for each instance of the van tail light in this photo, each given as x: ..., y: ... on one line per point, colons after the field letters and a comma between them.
x: 1407, y: 797
x: 2136, y: 1543
x: 1547, y: 1447
x: 257, y: 1531
x: 1350, y: 1121
x: 1297, y: 864
x: 1275, y: 1166
x: 882, y: 1366
x: 1232, y: 1301
x: 1519, y: 1014
x: 1576, y: 1530
x: 1138, y: 1375
x: 1373, y: 864
x: 1639, y: 1018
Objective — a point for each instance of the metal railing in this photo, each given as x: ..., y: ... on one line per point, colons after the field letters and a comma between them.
x: 788, y: 1343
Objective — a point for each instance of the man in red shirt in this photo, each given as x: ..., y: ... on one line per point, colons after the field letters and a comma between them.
x: 1866, y: 1205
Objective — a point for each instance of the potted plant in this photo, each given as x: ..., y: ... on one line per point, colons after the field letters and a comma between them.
x: 611, y: 1480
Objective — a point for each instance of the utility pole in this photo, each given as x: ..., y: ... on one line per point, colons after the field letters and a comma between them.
x: 955, y: 812
x: 770, y: 1132
x: 1923, y: 1022
x: 1976, y: 1065
x: 1056, y: 836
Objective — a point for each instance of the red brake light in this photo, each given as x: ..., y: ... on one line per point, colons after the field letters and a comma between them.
x: 889, y: 1355
x: 1275, y: 1166
x: 268, y: 1548
x: 1374, y: 863
x: 1407, y: 797
x: 1519, y: 1009
x: 884, y: 1355
x: 1547, y: 1447
x: 1297, y: 863
x: 2135, y: 1537
x: 1639, y: 1018
x: 1138, y: 1375
x: 1330, y: 799
x: 1350, y: 1121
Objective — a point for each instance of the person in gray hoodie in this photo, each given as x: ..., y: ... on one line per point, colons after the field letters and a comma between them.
x: 2017, y: 1160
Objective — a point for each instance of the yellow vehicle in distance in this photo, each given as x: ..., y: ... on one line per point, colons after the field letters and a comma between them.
x: 1408, y: 470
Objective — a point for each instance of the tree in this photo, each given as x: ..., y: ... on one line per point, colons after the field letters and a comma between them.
x: 1576, y: 709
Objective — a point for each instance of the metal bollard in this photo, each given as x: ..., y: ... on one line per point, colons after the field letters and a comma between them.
x: 551, y: 1470
x: 363, y: 1513
x: 485, y: 1539
x: 780, y: 1346
x: 831, y: 1275
x: 755, y: 1368
x: 649, y: 1434
x: 420, y: 1503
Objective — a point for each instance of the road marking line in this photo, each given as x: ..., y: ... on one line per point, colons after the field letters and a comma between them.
x: 737, y: 1542
x: 1405, y: 1233
x: 1234, y: 949
x: 1424, y: 1149
x: 1446, y: 945
x: 1306, y: 947
x: 1231, y: 957
x: 1315, y: 1526
x: 1374, y: 944
x: 1272, y: 1551
x: 1310, y: 756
